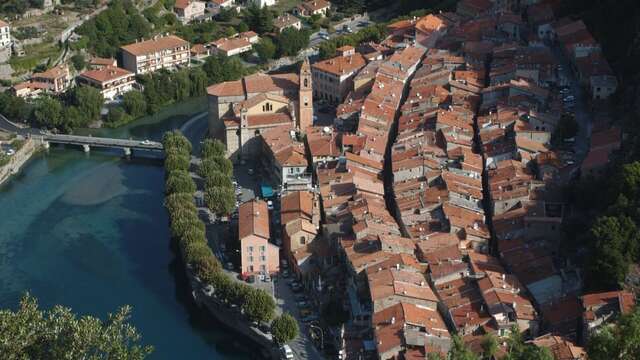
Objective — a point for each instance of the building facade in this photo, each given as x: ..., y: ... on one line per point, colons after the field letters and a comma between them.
x: 257, y: 254
x: 166, y: 52
x: 241, y: 110
x: 111, y: 81
x: 333, y: 78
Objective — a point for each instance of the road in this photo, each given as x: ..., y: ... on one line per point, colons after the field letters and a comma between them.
x: 583, y: 114
x: 354, y: 24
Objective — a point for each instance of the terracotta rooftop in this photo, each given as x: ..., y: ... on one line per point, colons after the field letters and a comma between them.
x: 155, y: 45
x: 253, y: 219
x: 106, y: 74
x: 341, y: 65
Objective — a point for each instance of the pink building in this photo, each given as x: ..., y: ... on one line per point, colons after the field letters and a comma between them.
x: 257, y: 254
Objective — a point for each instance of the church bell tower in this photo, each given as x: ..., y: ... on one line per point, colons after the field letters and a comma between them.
x: 305, y: 98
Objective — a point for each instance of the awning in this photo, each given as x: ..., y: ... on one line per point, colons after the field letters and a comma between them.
x: 267, y: 191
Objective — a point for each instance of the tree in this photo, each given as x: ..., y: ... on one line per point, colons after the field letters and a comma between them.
x: 259, y: 19
x: 459, y: 351
x: 115, y: 117
x: 176, y: 161
x: 47, y: 113
x: 89, y: 101
x: 134, y: 103
x: 266, y: 49
x: 259, y: 306
x: 179, y: 181
x: 212, y: 148
x: 614, y: 246
x: 175, y: 141
x: 13, y: 107
x: 216, y: 163
x: 621, y: 341
x: 284, y: 328
x: 198, y: 81
x: 32, y: 333
x: 78, y: 61
x: 489, y: 346
x: 217, y: 178
x: 291, y: 41
x: 220, y: 200
x: 219, y: 68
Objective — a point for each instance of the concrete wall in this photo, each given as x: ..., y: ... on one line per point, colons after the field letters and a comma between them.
x: 18, y: 159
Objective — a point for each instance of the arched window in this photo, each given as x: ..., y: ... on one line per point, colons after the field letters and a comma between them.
x: 303, y: 240
x: 257, y: 132
x: 306, y: 82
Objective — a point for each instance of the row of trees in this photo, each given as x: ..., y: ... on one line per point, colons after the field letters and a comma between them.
x: 33, y: 333
x: 189, y: 231
x: 375, y: 33
x: 217, y: 172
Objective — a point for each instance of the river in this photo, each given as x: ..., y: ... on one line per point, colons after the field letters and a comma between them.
x: 89, y: 231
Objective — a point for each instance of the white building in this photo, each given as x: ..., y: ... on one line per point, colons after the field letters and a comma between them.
x: 111, y: 81
x: 5, y: 35
x: 214, y: 6
x: 166, y: 52
x: 188, y: 10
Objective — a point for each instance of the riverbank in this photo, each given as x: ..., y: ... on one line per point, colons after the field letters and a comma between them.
x: 91, y: 235
x: 19, y: 159
x: 230, y: 316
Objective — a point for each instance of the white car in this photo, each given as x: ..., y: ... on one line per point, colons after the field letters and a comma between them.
x: 569, y: 98
x: 145, y: 142
x: 286, y: 351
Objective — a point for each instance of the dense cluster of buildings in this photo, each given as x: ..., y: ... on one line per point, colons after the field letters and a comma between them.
x: 438, y: 185
x: 166, y: 52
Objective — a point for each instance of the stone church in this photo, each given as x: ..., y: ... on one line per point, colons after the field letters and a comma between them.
x: 241, y: 110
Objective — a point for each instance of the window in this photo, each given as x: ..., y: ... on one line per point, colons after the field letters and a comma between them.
x: 257, y: 132
x: 250, y: 268
x: 306, y: 82
x: 263, y: 258
x: 303, y: 240
x: 263, y: 268
x: 250, y: 258
x: 262, y: 248
x: 250, y: 248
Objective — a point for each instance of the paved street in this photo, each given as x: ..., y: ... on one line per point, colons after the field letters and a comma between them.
x: 302, y: 347
x: 583, y: 114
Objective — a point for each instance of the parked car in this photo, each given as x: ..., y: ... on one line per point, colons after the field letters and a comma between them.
x: 303, y: 304
x: 250, y: 172
x: 285, y: 273
x: 286, y: 352
x: 296, y: 288
x: 305, y: 312
x: 569, y: 98
x: 270, y: 205
x: 300, y: 297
